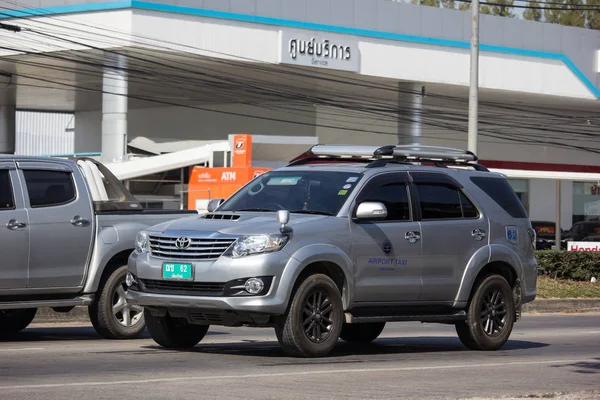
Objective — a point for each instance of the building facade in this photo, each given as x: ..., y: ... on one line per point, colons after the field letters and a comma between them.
x: 344, y: 71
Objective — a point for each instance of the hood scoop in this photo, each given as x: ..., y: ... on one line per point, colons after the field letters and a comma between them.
x: 228, y: 217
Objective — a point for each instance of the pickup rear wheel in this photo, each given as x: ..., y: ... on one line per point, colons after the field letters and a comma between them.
x: 111, y: 315
x: 314, y: 321
x: 490, y: 317
x: 174, y: 333
x: 13, y: 321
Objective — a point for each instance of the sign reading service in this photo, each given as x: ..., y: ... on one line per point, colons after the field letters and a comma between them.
x: 315, y: 51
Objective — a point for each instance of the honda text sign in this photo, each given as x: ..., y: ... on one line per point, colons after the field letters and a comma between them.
x: 583, y: 246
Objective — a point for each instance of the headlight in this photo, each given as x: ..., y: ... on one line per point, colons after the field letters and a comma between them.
x: 256, y: 244
x: 142, y: 244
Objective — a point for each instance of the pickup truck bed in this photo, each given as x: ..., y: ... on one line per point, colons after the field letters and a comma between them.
x: 67, y: 228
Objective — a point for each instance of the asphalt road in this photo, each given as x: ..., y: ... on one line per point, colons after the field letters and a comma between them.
x: 546, y: 354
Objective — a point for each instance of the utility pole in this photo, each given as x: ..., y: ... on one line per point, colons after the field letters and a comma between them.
x: 474, y: 78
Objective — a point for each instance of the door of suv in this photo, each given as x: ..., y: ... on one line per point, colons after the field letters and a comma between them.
x: 14, y: 230
x: 387, y: 260
x: 452, y: 230
x: 61, y: 228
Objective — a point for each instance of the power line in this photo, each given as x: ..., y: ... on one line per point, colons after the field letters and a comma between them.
x: 389, y: 110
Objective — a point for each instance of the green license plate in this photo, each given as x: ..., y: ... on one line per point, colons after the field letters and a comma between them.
x: 178, y: 271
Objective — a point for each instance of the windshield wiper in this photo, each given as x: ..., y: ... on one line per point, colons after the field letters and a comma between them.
x: 312, y: 212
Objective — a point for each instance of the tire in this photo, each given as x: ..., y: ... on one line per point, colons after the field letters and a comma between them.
x: 127, y: 322
x: 291, y: 334
x: 174, y: 333
x: 14, y: 321
x: 476, y: 333
x: 361, y: 333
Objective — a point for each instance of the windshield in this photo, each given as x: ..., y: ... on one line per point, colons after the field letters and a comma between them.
x: 310, y: 192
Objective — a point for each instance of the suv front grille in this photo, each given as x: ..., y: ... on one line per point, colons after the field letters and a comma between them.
x: 183, y: 288
x: 199, y: 249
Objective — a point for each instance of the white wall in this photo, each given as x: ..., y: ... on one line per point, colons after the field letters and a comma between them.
x: 43, y: 133
x: 542, y: 201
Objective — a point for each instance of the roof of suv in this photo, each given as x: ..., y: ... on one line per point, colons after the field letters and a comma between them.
x: 364, y: 169
x: 372, y: 159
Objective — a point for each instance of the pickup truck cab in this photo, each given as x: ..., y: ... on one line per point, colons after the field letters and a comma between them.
x: 340, y: 243
x: 67, y: 228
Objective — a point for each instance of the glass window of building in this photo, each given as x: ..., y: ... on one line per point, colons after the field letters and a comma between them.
x: 586, y: 201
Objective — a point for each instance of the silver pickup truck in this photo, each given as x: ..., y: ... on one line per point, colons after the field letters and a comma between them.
x: 67, y: 228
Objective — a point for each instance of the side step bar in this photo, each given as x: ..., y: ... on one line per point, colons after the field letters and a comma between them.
x: 78, y: 301
x: 459, y: 316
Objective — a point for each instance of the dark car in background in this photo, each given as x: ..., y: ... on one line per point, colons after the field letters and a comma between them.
x: 585, y: 231
x: 546, y: 235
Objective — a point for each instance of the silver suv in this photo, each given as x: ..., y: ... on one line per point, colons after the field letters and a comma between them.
x: 339, y: 242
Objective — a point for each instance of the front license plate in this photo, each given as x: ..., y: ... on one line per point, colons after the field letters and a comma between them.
x: 178, y: 271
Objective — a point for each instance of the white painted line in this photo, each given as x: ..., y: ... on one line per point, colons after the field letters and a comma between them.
x: 22, y: 349
x: 296, y: 373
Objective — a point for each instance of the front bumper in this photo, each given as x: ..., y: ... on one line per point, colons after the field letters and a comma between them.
x: 209, y: 276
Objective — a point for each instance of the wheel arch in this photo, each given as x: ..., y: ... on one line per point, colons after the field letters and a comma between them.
x: 115, y: 261
x: 501, y: 260
x: 325, y: 259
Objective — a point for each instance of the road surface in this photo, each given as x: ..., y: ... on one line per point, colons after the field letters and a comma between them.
x: 546, y: 354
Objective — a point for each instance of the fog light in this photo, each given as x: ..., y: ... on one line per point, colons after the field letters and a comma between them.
x: 254, y: 285
x: 129, y: 279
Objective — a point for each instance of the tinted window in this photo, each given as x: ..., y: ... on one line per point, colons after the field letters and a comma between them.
x: 444, y: 202
x: 319, y: 192
x: 7, y: 201
x: 502, y: 193
x: 395, y: 198
x: 49, y: 188
x: 439, y: 202
x: 468, y: 208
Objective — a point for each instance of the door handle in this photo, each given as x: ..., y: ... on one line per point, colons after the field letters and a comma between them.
x: 78, y: 221
x: 13, y: 225
x: 412, y: 237
x: 478, y: 234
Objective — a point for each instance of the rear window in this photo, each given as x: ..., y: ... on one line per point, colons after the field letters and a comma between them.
x: 503, y: 194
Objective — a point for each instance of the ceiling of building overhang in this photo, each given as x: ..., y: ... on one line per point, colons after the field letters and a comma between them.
x: 72, y: 81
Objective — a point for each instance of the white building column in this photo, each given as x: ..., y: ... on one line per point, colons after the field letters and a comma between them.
x: 114, y: 110
x: 7, y: 129
x: 410, y: 101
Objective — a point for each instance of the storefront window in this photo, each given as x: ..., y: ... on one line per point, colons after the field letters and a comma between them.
x: 521, y: 188
x: 586, y: 201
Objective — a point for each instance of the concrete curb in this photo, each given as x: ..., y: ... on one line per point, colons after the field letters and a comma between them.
x: 78, y: 314
x: 539, y: 306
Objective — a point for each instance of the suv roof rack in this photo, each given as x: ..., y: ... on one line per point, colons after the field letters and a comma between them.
x: 379, y: 156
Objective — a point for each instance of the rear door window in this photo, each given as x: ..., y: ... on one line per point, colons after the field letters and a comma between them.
x: 48, y: 188
x: 441, y: 201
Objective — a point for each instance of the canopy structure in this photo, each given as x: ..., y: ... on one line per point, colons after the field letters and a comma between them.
x: 165, y: 162
x: 552, y: 175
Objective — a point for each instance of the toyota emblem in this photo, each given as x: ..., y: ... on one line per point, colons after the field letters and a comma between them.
x: 183, y: 243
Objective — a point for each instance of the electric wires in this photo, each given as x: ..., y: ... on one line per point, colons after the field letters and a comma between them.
x: 163, y: 73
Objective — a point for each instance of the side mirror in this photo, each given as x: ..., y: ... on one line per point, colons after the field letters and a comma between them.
x: 283, y: 217
x: 214, y: 204
x: 371, y: 210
